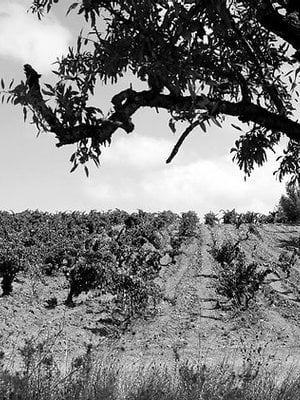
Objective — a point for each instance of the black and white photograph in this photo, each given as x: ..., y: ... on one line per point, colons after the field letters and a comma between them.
x: 150, y: 200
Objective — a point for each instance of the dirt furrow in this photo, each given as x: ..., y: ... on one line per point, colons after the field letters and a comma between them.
x: 187, y: 316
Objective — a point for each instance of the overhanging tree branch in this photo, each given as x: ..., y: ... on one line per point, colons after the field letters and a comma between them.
x: 229, y: 52
x: 182, y: 138
x: 127, y: 102
x: 121, y: 118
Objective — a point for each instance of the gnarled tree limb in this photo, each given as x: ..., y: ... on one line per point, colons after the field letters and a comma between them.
x: 127, y: 102
x: 245, y: 111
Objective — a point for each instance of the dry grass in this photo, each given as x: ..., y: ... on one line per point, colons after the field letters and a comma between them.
x: 106, y: 376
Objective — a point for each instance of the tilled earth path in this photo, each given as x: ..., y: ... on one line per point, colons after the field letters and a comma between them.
x: 187, y: 316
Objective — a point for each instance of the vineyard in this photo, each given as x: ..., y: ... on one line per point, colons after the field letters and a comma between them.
x: 114, y: 257
x: 150, y: 286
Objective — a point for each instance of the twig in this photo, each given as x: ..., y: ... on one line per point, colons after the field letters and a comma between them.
x: 181, y: 140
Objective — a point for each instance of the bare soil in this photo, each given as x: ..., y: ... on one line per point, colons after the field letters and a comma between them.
x: 192, y: 321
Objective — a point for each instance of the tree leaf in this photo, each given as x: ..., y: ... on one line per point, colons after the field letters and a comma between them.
x: 172, y: 125
x: 202, y: 126
x: 47, y: 93
x: 237, y: 127
x: 25, y: 113
x: 51, y: 89
x: 72, y: 7
x: 216, y: 122
x: 74, y: 167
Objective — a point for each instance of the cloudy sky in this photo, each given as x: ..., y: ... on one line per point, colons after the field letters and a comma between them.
x: 133, y: 173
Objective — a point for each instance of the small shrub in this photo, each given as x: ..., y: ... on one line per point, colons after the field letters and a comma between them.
x: 8, y: 271
x: 262, y: 219
x: 249, y: 217
x: 210, y: 219
x: 230, y: 216
x: 286, y: 262
x: 224, y: 253
x: 82, y: 278
x: 253, y: 229
x: 237, y: 279
x: 175, y: 243
x: 12, y: 260
x: 164, y: 219
x: 271, y: 218
x: 188, y: 224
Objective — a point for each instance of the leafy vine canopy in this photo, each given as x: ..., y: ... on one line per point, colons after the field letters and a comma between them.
x: 202, y: 60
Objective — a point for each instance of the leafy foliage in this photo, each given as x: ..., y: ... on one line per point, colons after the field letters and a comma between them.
x: 250, y: 217
x: 18, y: 251
x: 286, y: 261
x: 200, y: 61
x: 289, y: 205
x: 114, y: 252
x: 210, y: 219
x: 230, y: 217
x: 188, y: 224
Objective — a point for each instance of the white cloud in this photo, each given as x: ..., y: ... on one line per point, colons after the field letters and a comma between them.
x: 25, y: 38
x: 138, y: 152
x: 201, y: 185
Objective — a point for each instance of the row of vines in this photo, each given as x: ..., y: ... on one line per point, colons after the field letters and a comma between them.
x: 114, y: 252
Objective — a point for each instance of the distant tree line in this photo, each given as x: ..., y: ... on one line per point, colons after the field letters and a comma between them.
x: 287, y: 211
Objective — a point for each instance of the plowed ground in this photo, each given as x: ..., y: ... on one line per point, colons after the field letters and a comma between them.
x: 192, y: 321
